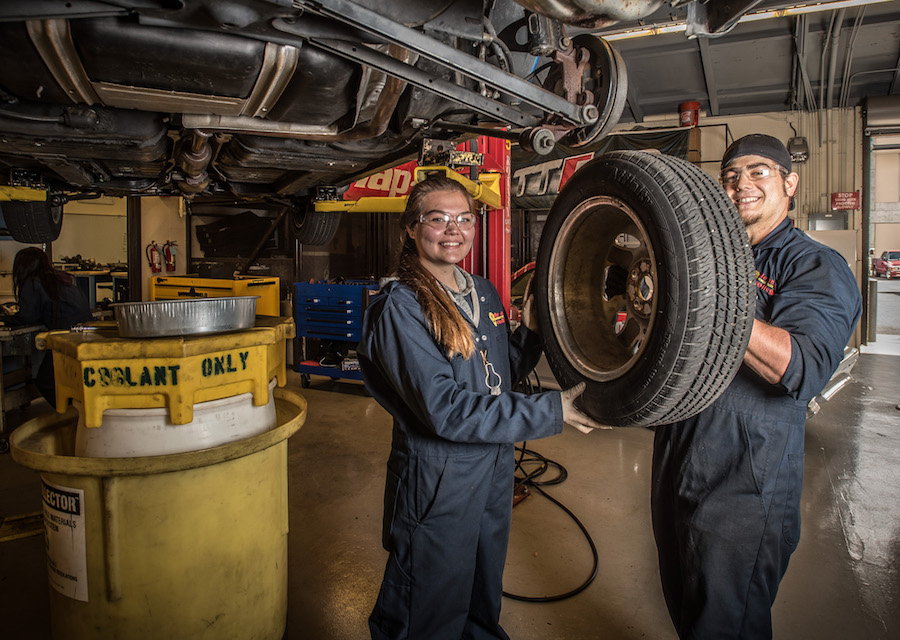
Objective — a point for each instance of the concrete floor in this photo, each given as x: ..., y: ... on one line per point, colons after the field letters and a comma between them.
x: 843, y: 582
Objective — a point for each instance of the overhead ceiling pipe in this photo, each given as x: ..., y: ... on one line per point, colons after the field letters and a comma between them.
x: 834, y: 37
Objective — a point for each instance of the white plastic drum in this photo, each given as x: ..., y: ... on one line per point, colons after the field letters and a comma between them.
x: 127, y: 433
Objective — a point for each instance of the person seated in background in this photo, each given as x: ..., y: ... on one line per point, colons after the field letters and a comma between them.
x: 49, y: 297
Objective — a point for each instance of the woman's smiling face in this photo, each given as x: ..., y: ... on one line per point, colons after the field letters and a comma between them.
x: 442, y: 248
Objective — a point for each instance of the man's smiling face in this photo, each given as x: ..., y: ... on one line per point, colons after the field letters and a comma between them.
x: 761, y: 193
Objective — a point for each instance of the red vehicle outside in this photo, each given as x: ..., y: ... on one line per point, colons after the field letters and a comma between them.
x: 888, y: 265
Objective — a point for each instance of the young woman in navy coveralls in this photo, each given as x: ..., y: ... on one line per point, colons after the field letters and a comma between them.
x: 437, y: 353
x: 727, y: 482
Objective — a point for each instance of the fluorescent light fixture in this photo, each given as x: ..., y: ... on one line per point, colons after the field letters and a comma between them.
x: 675, y: 27
x: 655, y: 30
x: 807, y: 8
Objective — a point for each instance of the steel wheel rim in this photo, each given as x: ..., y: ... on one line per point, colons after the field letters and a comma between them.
x: 602, y: 288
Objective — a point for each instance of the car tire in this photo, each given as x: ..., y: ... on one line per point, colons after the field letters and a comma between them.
x: 315, y: 227
x: 32, y: 222
x: 644, y: 288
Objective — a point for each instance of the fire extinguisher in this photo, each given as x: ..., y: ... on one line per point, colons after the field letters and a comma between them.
x: 169, y: 255
x: 153, y: 257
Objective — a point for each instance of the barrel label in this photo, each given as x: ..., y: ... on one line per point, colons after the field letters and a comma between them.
x: 127, y: 375
x: 224, y: 363
x: 64, y: 528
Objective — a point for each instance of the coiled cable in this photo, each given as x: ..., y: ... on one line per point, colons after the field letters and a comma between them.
x: 532, y: 479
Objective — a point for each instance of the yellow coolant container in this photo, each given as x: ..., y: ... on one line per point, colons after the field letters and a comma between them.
x: 184, y: 546
x: 181, y: 287
x: 99, y: 370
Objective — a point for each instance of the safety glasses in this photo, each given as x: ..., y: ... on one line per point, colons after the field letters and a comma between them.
x: 442, y: 220
x: 754, y: 172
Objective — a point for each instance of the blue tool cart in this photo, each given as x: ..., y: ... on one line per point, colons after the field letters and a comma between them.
x: 332, y: 314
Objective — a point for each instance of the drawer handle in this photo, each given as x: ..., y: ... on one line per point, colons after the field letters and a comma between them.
x: 321, y: 310
x: 329, y: 321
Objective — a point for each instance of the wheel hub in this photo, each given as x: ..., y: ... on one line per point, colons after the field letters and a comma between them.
x: 602, y: 288
x: 641, y: 287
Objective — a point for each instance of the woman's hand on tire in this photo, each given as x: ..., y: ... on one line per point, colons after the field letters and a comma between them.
x: 573, y: 416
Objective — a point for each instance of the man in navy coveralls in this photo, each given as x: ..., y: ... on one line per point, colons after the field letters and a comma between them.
x: 726, y: 483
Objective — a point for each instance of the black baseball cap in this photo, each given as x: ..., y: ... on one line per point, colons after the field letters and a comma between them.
x: 758, y: 144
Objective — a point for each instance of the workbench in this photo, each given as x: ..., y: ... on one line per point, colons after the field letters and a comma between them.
x: 87, y: 281
x: 16, y: 389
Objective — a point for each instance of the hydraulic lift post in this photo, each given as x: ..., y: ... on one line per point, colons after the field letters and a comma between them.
x: 498, y: 259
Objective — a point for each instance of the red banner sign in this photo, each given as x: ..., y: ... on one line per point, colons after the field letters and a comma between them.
x: 394, y: 182
x: 844, y: 200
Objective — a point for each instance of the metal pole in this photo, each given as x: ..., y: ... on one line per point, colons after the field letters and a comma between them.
x: 872, y: 325
x: 135, y: 250
x: 866, y: 228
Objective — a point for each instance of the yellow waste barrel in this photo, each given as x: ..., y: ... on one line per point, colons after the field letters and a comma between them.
x: 189, y: 545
